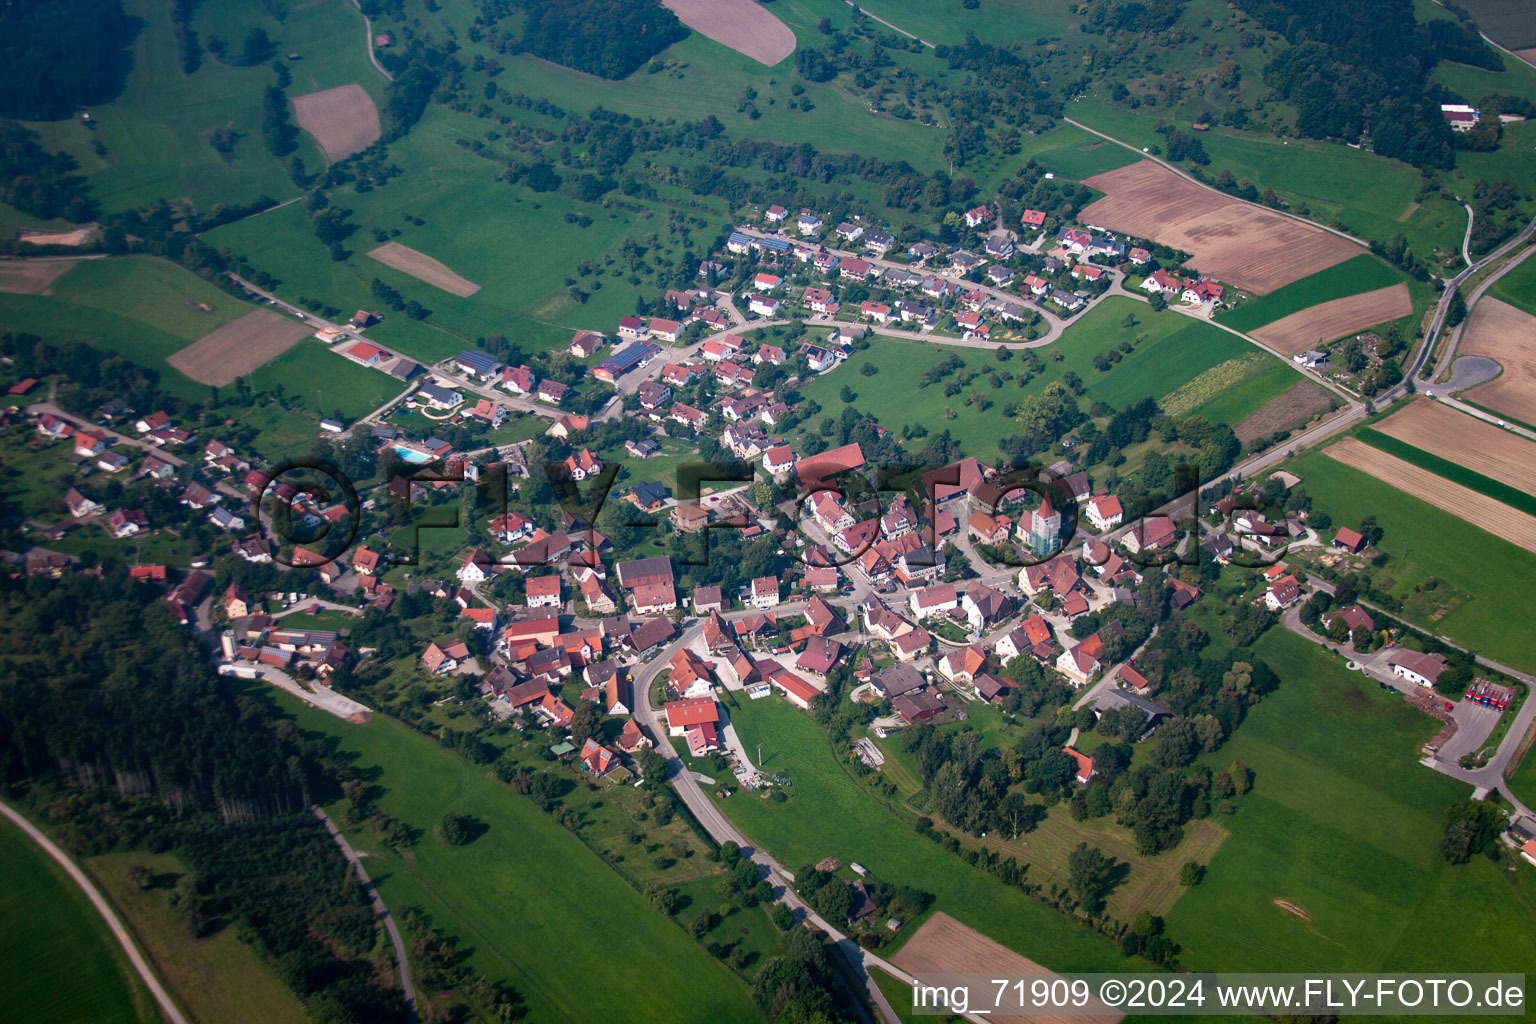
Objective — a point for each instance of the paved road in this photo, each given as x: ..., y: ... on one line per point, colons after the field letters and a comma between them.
x: 1449, y: 354
x: 38, y: 408
x: 119, y: 931
x: 379, y: 909
x: 893, y: 28
x: 1442, y: 308
x: 722, y: 829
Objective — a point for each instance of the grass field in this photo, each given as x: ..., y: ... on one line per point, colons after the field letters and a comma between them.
x: 1236, y: 402
x: 1363, y: 273
x: 1506, y: 21
x: 1492, y: 572
x: 1174, y: 350
x: 58, y: 962
x: 1456, y: 473
x: 829, y: 815
x: 141, y: 306
x: 1085, y: 160
x: 534, y: 904
x: 1345, y: 824
x: 216, y: 979
x: 448, y: 188
x: 1518, y: 287
x: 1522, y: 781
x: 156, y: 133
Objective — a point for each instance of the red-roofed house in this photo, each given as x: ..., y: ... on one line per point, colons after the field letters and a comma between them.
x: 1084, y: 766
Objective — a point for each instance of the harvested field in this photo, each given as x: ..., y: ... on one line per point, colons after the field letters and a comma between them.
x: 1292, y: 407
x: 1329, y: 320
x: 1529, y: 55
x: 424, y: 268
x: 743, y: 25
x: 1466, y: 441
x: 1255, y: 249
x: 239, y: 347
x: 31, y: 278
x: 1507, y: 335
x: 343, y: 120
x: 945, y: 946
x: 1463, y: 502
x: 79, y: 236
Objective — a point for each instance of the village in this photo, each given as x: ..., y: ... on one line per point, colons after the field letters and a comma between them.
x: 923, y: 598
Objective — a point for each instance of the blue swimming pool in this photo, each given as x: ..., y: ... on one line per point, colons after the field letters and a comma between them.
x: 411, y: 454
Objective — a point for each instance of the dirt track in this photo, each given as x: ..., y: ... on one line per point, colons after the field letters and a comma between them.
x: 1255, y: 249
x: 1463, y: 502
x: 743, y: 25
x: 1326, y: 321
x: 31, y: 277
x: 424, y: 268
x: 1507, y: 335
x: 343, y: 120
x: 239, y: 347
x: 945, y: 946
x: 1466, y: 441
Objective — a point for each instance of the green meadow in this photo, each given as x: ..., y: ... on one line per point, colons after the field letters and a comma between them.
x: 216, y: 978
x: 1344, y: 825
x: 527, y: 899
x: 58, y: 962
x: 155, y: 135
x: 1173, y: 349
x: 1518, y: 287
x: 519, y: 247
x: 1247, y: 396
x: 142, y: 306
x: 829, y: 814
x: 1493, y: 573
x: 1358, y: 274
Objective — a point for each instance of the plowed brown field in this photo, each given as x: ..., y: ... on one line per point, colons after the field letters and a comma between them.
x: 1466, y: 441
x: 1255, y: 249
x: 1329, y: 320
x: 423, y: 267
x: 945, y: 946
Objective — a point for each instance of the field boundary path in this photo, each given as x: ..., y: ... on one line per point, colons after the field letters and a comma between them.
x: 893, y: 28
x: 379, y: 908
x: 120, y: 931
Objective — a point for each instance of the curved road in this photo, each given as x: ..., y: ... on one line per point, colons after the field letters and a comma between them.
x: 119, y: 930
x: 721, y: 829
x: 379, y: 908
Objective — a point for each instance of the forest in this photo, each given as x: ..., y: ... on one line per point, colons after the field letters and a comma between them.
x: 118, y: 733
x: 608, y: 38
x: 38, y: 182
x: 1360, y: 72
x: 59, y: 55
